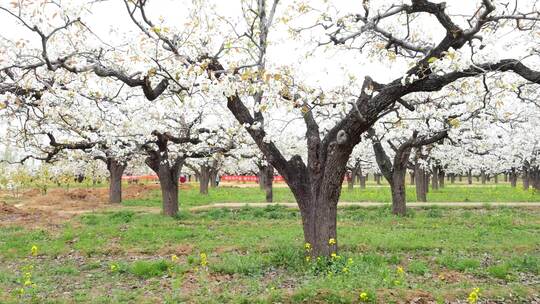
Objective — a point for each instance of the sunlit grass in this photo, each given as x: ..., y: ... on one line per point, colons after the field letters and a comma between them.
x: 254, y: 252
x: 451, y: 193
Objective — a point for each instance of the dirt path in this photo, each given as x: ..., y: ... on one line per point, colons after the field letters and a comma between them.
x: 147, y: 209
x: 375, y: 204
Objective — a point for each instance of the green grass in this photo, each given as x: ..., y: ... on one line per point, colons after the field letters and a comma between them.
x: 451, y: 193
x: 256, y: 255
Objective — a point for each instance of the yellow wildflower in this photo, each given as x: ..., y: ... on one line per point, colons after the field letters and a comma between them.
x: 345, y: 270
x: 473, y: 296
x: 334, y: 255
x: 332, y: 241
x: 307, y: 246
x: 34, y: 250
x: 114, y: 267
x: 400, y: 270
x: 174, y: 258
x: 21, y: 291
x: 364, y: 297
x: 308, y: 258
x: 27, y: 283
x: 204, y: 260
x: 349, y: 261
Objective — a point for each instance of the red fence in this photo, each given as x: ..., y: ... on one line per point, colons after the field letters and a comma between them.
x: 140, y: 177
x: 247, y: 178
x: 227, y: 178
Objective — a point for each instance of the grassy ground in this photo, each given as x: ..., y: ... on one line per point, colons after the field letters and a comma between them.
x: 451, y: 193
x: 257, y: 256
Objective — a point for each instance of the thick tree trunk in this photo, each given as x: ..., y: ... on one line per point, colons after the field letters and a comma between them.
x: 362, y: 178
x: 213, y: 177
x: 168, y: 178
x: 427, y: 176
x: 483, y: 176
x: 350, y: 181
x: 169, y: 192
x: 268, y: 183
x: 204, y: 179
x: 397, y: 186
x: 411, y: 177
x: 513, y: 178
x: 453, y: 178
x: 526, y: 176
x: 261, y: 176
x: 320, y: 223
x: 116, y: 169
x: 441, y: 178
x: 496, y: 178
x: 460, y: 177
x: 469, y: 177
x: 534, y: 177
x: 435, y: 177
x: 420, y: 184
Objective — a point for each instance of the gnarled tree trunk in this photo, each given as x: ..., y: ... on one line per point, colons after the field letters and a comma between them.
x: 526, y: 176
x: 397, y: 186
x: 435, y: 177
x: 513, y: 178
x: 268, y: 173
x: 420, y: 184
x: 441, y: 177
x: 168, y: 171
x: 204, y: 179
x: 534, y: 176
x: 168, y: 180
x: 116, y: 169
x: 350, y: 180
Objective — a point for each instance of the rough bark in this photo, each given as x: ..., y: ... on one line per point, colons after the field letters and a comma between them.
x: 435, y: 177
x: 427, y: 177
x: 534, y: 176
x: 411, y: 177
x: 420, y: 184
x: 469, y: 177
x: 204, y: 180
x: 167, y: 170
x: 268, y: 183
x: 513, y: 177
x: 441, y: 177
x: 396, y: 170
x: 362, y: 178
x: 526, y: 176
x: 116, y: 169
x: 419, y: 176
x: 350, y: 181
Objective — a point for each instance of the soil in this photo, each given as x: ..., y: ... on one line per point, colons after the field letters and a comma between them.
x: 33, y: 208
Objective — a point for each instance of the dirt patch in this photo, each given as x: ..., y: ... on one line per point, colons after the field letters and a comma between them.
x: 11, y: 215
x: 450, y: 276
x: 177, y: 249
x: 6, y: 209
x: 59, y: 204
